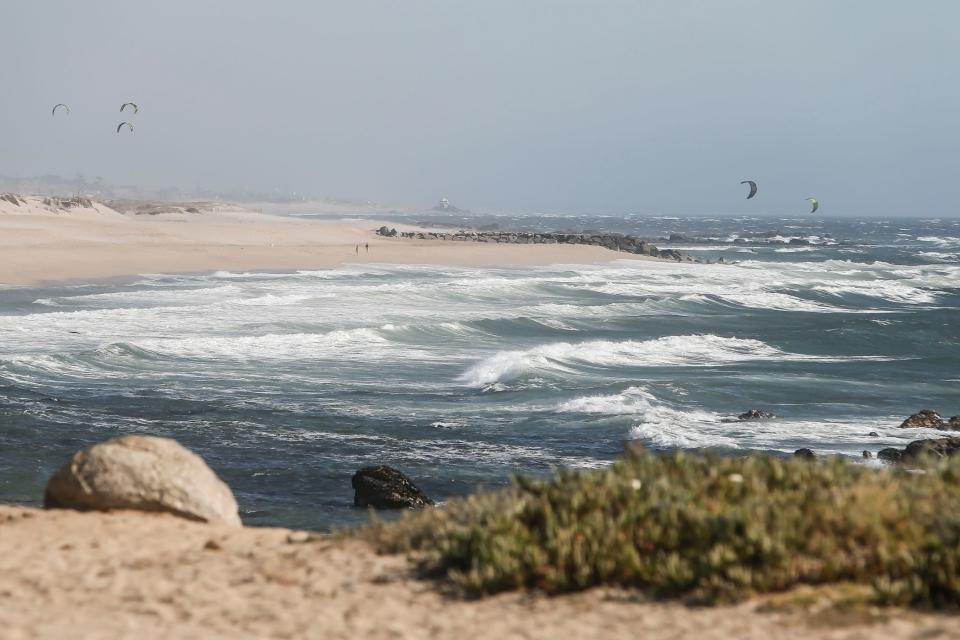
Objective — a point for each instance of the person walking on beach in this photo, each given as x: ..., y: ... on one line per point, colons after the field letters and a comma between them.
x: 358, y: 249
x: 366, y: 246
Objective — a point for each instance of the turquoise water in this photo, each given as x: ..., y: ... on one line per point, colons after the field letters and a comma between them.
x: 287, y: 383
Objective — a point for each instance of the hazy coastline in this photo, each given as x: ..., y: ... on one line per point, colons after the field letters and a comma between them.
x: 40, y: 243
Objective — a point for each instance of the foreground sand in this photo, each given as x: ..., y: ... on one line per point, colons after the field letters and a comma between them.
x: 65, y: 574
x: 38, y: 244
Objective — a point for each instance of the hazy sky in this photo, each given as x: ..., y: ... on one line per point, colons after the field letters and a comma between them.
x: 549, y: 105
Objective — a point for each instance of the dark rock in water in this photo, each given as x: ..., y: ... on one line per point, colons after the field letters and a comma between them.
x: 936, y: 447
x: 867, y: 454
x: 954, y: 423
x: 890, y: 454
x: 873, y: 434
x: 925, y: 418
x: 803, y: 242
x: 756, y: 414
x: 384, y: 487
x: 670, y: 254
x: 806, y: 454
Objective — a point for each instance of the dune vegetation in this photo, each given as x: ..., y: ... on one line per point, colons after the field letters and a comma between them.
x: 704, y: 528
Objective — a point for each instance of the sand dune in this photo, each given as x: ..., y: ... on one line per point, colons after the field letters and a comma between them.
x: 39, y: 243
x: 65, y: 574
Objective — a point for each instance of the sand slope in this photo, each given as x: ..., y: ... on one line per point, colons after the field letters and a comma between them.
x: 65, y: 574
x: 38, y: 243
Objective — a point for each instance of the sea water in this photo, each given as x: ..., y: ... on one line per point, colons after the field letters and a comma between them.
x: 287, y: 383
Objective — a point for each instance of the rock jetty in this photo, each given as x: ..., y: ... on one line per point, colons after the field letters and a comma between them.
x: 612, y: 241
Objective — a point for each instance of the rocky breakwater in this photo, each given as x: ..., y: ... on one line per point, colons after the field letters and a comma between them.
x: 612, y: 241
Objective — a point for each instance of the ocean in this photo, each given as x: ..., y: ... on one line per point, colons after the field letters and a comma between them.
x: 287, y: 383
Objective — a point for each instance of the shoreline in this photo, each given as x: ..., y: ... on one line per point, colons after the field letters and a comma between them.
x: 41, y: 245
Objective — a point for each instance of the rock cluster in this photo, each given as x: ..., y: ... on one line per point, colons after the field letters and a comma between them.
x: 890, y: 454
x: 13, y: 199
x: 938, y: 447
x: 930, y: 419
x: 935, y: 447
x: 756, y: 414
x: 384, y: 487
x: 612, y: 241
x: 143, y: 473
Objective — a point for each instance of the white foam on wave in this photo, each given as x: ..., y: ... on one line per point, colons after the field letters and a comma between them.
x: 179, y: 297
x: 889, y: 290
x: 271, y: 346
x: 271, y: 300
x: 835, y: 436
x: 247, y: 275
x: 660, y: 425
x: 444, y: 329
x: 697, y: 247
x: 656, y: 423
x: 945, y: 242
x: 780, y: 302
x: 628, y: 402
x: 796, y: 249
x: 940, y: 256
x: 563, y: 357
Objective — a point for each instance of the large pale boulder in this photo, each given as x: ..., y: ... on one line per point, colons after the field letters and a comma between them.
x: 142, y: 473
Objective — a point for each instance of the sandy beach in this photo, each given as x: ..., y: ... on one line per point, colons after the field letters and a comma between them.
x: 125, y: 574
x: 38, y: 243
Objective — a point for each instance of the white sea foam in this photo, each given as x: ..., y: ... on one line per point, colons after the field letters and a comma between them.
x: 834, y: 436
x: 290, y: 346
x: 946, y: 241
x: 939, y: 256
x: 779, y: 302
x: 561, y: 358
x: 630, y: 401
x: 270, y: 300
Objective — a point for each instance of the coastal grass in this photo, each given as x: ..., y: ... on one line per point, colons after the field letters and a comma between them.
x: 705, y: 528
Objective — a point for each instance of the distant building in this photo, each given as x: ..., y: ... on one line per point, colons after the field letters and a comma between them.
x: 444, y: 205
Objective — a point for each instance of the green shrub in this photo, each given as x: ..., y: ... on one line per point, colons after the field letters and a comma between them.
x: 706, y: 528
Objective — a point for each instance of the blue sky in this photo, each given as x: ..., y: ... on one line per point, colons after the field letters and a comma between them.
x: 516, y: 105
